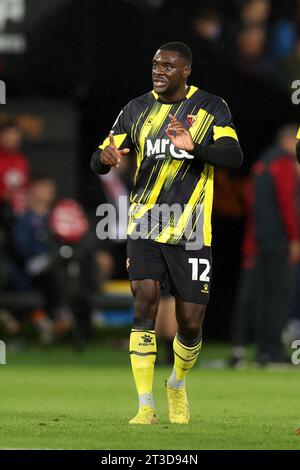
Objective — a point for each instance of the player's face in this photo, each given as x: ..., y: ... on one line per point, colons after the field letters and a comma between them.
x: 169, y: 71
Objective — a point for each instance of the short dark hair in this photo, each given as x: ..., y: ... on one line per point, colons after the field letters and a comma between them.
x: 41, y: 177
x: 179, y: 47
x: 8, y: 123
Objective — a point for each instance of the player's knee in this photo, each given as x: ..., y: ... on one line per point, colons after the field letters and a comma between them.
x: 190, y: 336
x: 145, y: 299
x: 143, y: 323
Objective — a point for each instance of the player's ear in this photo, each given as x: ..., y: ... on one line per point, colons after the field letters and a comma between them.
x: 187, y: 71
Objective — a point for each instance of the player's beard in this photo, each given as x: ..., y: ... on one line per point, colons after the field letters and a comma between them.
x: 170, y: 90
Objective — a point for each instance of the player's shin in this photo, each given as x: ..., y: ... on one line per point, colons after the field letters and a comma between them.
x: 143, y: 354
x: 185, y: 356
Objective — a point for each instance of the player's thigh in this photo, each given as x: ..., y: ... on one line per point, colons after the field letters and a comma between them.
x: 190, y: 273
x: 147, y: 269
x: 145, y: 260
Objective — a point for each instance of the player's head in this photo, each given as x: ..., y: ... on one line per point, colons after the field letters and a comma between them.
x: 42, y: 191
x: 10, y: 135
x: 171, y: 67
x: 286, y: 138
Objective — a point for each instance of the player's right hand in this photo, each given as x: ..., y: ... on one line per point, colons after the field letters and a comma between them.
x: 111, y: 155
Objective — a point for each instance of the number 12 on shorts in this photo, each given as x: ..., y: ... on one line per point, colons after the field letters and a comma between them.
x: 196, y: 262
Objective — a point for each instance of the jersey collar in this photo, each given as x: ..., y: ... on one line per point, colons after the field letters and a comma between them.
x: 191, y: 91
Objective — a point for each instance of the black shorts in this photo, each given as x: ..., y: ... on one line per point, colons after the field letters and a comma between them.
x: 188, y: 271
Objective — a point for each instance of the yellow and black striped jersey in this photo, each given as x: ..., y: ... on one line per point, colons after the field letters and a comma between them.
x: 298, y: 134
x: 171, y: 200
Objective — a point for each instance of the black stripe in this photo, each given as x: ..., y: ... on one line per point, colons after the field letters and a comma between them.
x: 143, y: 354
x: 189, y: 349
x: 143, y: 331
x: 185, y: 360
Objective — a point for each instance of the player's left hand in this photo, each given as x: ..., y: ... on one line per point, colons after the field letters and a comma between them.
x: 179, y: 135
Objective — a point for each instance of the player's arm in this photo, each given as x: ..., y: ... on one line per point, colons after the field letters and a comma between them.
x: 114, y: 147
x: 298, y: 146
x: 225, y: 152
x: 104, y: 159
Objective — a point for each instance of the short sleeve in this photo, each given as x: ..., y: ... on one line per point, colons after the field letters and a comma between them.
x: 121, y: 130
x: 223, y: 125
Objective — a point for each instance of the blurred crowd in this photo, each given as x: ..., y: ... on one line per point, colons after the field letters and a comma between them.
x: 51, y: 264
x: 260, y: 38
x: 267, y: 304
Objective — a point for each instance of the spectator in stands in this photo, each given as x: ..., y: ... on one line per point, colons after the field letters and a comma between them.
x: 207, y: 38
x: 284, y: 32
x: 291, y: 64
x: 109, y: 190
x: 36, y: 253
x: 246, y: 301
x: 256, y: 12
x: 14, y: 168
x: 251, y: 58
x: 7, y: 320
x: 278, y: 242
x: 208, y: 25
x: 292, y: 331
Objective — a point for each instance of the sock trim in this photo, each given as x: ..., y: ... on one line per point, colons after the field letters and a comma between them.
x: 142, y: 353
x: 185, y: 360
x: 188, y: 348
x: 143, y: 323
x: 143, y: 331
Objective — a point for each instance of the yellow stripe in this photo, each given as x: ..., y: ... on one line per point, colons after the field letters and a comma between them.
x: 166, y: 233
x: 146, y: 128
x: 186, y: 214
x: 160, y: 118
x: 185, y: 171
x: 151, y: 200
x: 119, y: 139
x: 226, y: 131
x: 159, y: 182
x: 202, y: 116
x: 298, y: 134
x: 208, y: 203
x: 156, y: 120
x: 134, y: 129
x: 173, y: 171
x: 153, y: 169
x: 205, y: 128
x: 137, y: 215
x: 192, y: 90
x: 149, y: 234
x: 195, y: 223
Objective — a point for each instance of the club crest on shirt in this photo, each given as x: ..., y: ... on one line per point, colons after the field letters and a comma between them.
x: 191, y: 119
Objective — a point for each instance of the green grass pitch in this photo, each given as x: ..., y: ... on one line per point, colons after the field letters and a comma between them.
x: 59, y: 399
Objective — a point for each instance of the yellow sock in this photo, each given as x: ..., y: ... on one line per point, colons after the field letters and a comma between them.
x: 143, y: 349
x: 184, y: 359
